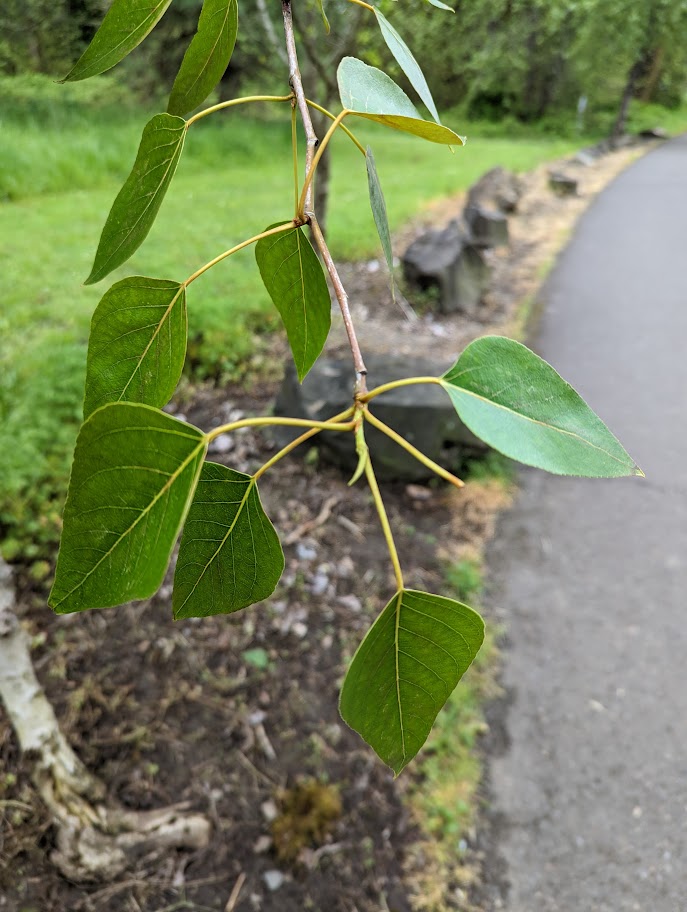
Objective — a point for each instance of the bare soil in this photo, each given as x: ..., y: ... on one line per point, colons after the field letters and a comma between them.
x: 238, y: 715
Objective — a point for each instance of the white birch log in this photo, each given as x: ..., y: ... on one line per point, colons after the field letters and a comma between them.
x: 95, y: 842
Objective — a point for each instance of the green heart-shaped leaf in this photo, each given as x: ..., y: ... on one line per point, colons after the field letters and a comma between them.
x: 137, y: 345
x: 521, y: 407
x: 124, y: 27
x: 230, y: 556
x: 135, y: 470
x: 207, y: 56
x: 368, y: 92
x: 133, y: 211
x: 294, y: 278
x: 405, y: 669
x: 378, y: 206
x: 404, y: 58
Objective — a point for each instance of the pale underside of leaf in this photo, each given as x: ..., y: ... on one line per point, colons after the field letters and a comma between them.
x: 368, y: 92
x: 134, y: 472
x: 207, y: 56
x: 519, y: 405
x: 138, y: 202
x: 407, y: 62
x: 378, y: 206
x: 294, y: 279
x: 440, y: 5
x: 230, y: 556
x: 124, y: 27
x: 137, y: 345
x: 425, y: 129
x: 405, y: 669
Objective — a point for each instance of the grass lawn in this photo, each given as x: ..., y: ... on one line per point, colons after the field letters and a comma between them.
x: 59, y: 180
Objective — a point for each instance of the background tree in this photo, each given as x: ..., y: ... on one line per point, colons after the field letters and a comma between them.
x: 528, y: 60
x: 42, y: 36
x: 642, y: 49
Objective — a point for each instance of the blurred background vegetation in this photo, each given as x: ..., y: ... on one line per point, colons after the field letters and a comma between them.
x: 527, y: 80
x: 495, y: 59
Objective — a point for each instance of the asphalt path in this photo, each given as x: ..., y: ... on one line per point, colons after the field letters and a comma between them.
x: 592, y: 578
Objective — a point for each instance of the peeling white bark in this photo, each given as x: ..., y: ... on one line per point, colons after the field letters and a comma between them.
x: 94, y: 841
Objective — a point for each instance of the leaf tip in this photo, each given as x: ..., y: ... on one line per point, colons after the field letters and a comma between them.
x: 94, y: 276
x: 638, y: 472
x: 54, y: 603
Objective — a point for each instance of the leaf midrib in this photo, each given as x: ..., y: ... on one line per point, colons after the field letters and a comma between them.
x: 397, y: 626
x: 153, y: 196
x: 213, y: 50
x: 144, y: 512
x: 551, y: 427
x: 242, y: 503
x: 305, y: 315
x: 152, y: 339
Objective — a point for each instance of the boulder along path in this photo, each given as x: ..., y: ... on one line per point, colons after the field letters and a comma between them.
x: 590, y: 798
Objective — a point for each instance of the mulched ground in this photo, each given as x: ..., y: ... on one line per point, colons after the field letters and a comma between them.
x: 238, y: 715
x: 165, y: 712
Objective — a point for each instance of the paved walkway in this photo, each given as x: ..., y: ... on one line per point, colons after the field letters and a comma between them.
x: 592, y: 576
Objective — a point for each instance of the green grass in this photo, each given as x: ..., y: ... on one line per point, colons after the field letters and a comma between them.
x: 465, y: 577
x: 492, y: 466
x: 443, y: 798
x: 60, y: 168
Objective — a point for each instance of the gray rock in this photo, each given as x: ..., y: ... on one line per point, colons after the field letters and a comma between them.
x: 422, y: 414
x: 222, y: 444
x: 269, y: 810
x: 305, y: 551
x: 351, y: 603
x: 497, y: 189
x: 273, y: 880
x: 345, y: 569
x: 584, y: 158
x: 319, y: 584
x: 487, y: 227
x: 262, y: 844
x: 562, y: 184
x: 653, y: 133
x: 445, y: 260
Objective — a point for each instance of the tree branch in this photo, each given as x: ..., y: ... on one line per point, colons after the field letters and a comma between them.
x: 342, y: 298
x: 297, y: 85
x: 311, y: 138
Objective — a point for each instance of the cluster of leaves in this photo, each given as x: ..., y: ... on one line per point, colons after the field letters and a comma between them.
x: 139, y: 475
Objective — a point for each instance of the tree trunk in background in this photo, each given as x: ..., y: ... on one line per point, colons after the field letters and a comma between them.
x: 628, y: 93
x: 654, y: 74
x: 323, y: 173
x: 317, y: 68
x: 322, y: 189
